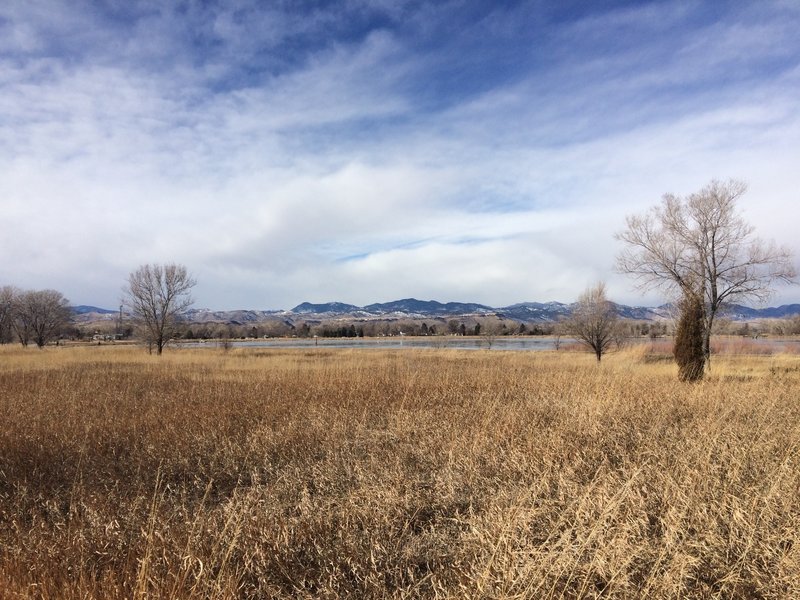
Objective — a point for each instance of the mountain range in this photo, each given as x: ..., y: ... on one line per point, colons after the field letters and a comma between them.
x: 411, y: 308
x: 523, y: 312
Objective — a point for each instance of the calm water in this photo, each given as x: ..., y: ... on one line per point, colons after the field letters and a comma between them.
x: 463, y: 343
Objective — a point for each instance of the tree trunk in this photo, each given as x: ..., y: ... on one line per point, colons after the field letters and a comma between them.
x: 708, y: 322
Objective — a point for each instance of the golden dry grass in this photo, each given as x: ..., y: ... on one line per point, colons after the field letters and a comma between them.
x: 397, y: 474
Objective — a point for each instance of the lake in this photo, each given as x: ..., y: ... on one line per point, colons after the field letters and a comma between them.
x: 398, y: 342
x: 522, y: 343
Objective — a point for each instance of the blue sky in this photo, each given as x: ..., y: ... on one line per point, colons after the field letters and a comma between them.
x: 368, y: 151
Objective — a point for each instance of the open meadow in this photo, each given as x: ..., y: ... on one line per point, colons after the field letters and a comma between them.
x: 396, y: 474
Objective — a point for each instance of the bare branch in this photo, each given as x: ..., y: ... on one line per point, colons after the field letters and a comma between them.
x: 157, y: 295
x: 39, y: 316
x: 594, y: 321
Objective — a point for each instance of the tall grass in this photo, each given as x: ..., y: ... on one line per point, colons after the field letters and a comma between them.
x: 371, y: 474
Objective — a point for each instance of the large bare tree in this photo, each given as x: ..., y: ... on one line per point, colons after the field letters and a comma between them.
x: 157, y: 295
x: 593, y: 321
x: 700, y: 246
x: 40, y: 315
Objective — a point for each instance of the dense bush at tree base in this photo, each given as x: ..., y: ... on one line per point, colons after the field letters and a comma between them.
x: 688, y: 350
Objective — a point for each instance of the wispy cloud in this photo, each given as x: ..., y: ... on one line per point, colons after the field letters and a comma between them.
x: 365, y: 151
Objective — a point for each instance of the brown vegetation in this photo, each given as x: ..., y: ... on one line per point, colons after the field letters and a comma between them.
x: 688, y: 346
x: 370, y: 474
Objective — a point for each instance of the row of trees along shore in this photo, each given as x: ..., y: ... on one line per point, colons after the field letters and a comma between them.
x: 697, y: 249
x: 484, y: 326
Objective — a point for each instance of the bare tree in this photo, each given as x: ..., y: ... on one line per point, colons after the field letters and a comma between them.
x: 558, y: 333
x: 593, y: 321
x: 700, y: 246
x: 40, y: 315
x: 157, y: 295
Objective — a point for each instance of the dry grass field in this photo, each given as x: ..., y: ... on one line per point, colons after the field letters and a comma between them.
x: 396, y: 474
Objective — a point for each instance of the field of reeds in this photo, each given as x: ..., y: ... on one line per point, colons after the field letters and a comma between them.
x: 396, y: 474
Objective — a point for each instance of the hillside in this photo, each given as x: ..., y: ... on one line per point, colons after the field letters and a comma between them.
x: 411, y: 308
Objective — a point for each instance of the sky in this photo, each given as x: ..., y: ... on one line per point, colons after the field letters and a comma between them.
x: 366, y: 151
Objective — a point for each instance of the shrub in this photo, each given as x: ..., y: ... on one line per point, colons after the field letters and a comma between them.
x: 688, y: 350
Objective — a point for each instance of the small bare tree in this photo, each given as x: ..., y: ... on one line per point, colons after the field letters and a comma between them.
x: 700, y: 246
x: 40, y: 315
x: 593, y: 321
x: 157, y: 295
x: 558, y: 332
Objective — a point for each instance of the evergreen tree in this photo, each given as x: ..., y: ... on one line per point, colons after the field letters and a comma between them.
x: 688, y: 351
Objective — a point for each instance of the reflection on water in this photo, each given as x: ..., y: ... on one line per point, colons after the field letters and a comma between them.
x: 454, y: 342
